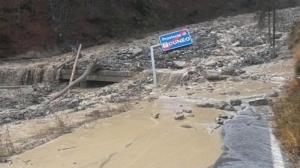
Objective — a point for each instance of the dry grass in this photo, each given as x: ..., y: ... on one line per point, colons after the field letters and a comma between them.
x: 287, y: 115
x: 7, y: 147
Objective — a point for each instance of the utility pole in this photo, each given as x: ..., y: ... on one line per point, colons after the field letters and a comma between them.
x: 274, y: 27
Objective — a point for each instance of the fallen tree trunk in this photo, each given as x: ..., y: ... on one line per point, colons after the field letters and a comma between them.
x: 89, y: 69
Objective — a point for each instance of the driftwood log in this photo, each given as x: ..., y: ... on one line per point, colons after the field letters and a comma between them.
x: 89, y: 69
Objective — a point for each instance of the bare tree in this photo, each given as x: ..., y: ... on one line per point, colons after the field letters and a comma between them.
x: 274, y: 27
x: 19, y: 11
x: 60, y: 12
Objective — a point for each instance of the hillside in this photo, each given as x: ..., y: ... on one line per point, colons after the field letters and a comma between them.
x: 55, y: 26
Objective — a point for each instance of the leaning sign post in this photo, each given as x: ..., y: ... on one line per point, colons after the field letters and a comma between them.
x: 169, y: 42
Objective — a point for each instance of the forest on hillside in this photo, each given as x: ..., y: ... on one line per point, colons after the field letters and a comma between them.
x: 41, y: 25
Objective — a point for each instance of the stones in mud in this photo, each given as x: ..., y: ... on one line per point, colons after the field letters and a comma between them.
x: 182, y: 113
x: 222, y: 118
x: 173, y: 95
x: 213, y: 75
x: 183, y: 110
x: 206, y: 104
x: 72, y: 104
x: 235, y: 102
x: 186, y: 126
x: 187, y: 110
x: 229, y: 108
x: 179, y: 117
x: 233, y: 93
x: 259, y: 102
x: 137, y: 51
x: 235, y: 79
x: 179, y: 64
x: 190, y: 115
x: 95, y: 113
x: 273, y: 94
x: 228, y: 71
x: 191, y: 92
x: 220, y: 105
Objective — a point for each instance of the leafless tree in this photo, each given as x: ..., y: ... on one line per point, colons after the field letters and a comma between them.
x: 60, y: 12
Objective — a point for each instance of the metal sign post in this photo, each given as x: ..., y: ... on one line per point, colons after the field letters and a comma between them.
x: 169, y: 42
x: 153, y: 63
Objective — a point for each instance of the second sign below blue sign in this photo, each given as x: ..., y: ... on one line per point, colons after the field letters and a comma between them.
x: 175, y: 40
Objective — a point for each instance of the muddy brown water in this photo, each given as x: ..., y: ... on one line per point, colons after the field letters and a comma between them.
x: 133, y: 140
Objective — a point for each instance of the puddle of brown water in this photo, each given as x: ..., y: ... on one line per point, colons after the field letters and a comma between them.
x: 133, y: 140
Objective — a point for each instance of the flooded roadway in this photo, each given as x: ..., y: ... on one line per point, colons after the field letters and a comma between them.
x: 133, y: 140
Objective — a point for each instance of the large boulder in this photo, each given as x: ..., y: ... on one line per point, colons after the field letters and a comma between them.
x: 206, y: 103
x: 259, y: 102
x: 213, y: 75
x: 179, y: 64
x: 220, y: 105
x: 228, y: 71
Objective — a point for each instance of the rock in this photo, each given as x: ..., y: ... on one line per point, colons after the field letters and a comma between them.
x: 32, y: 108
x: 236, y: 102
x: 187, y: 110
x: 95, y: 113
x: 191, y: 92
x: 235, y: 79
x: 205, y: 103
x: 179, y: 117
x: 219, y: 121
x: 228, y: 71
x: 237, y: 108
x: 229, y: 108
x: 179, y: 64
x: 192, y: 70
x: 254, y: 77
x: 156, y: 116
x: 235, y: 44
x: 211, y: 74
x: 186, y: 126
x: 222, y: 116
x: 273, y: 94
x: 179, y: 112
x: 277, y: 35
x: 211, y: 63
x: 220, y: 105
x: 200, y: 66
x: 72, y: 104
x: 137, y: 51
x: 245, y: 76
x: 240, y: 71
x: 278, y: 79
x: 259, y: 102
x: 186, y: 77
x: 190, y: 115
x: 233, y: 93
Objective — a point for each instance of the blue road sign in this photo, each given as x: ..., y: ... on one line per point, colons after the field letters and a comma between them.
x: 175, y: 40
